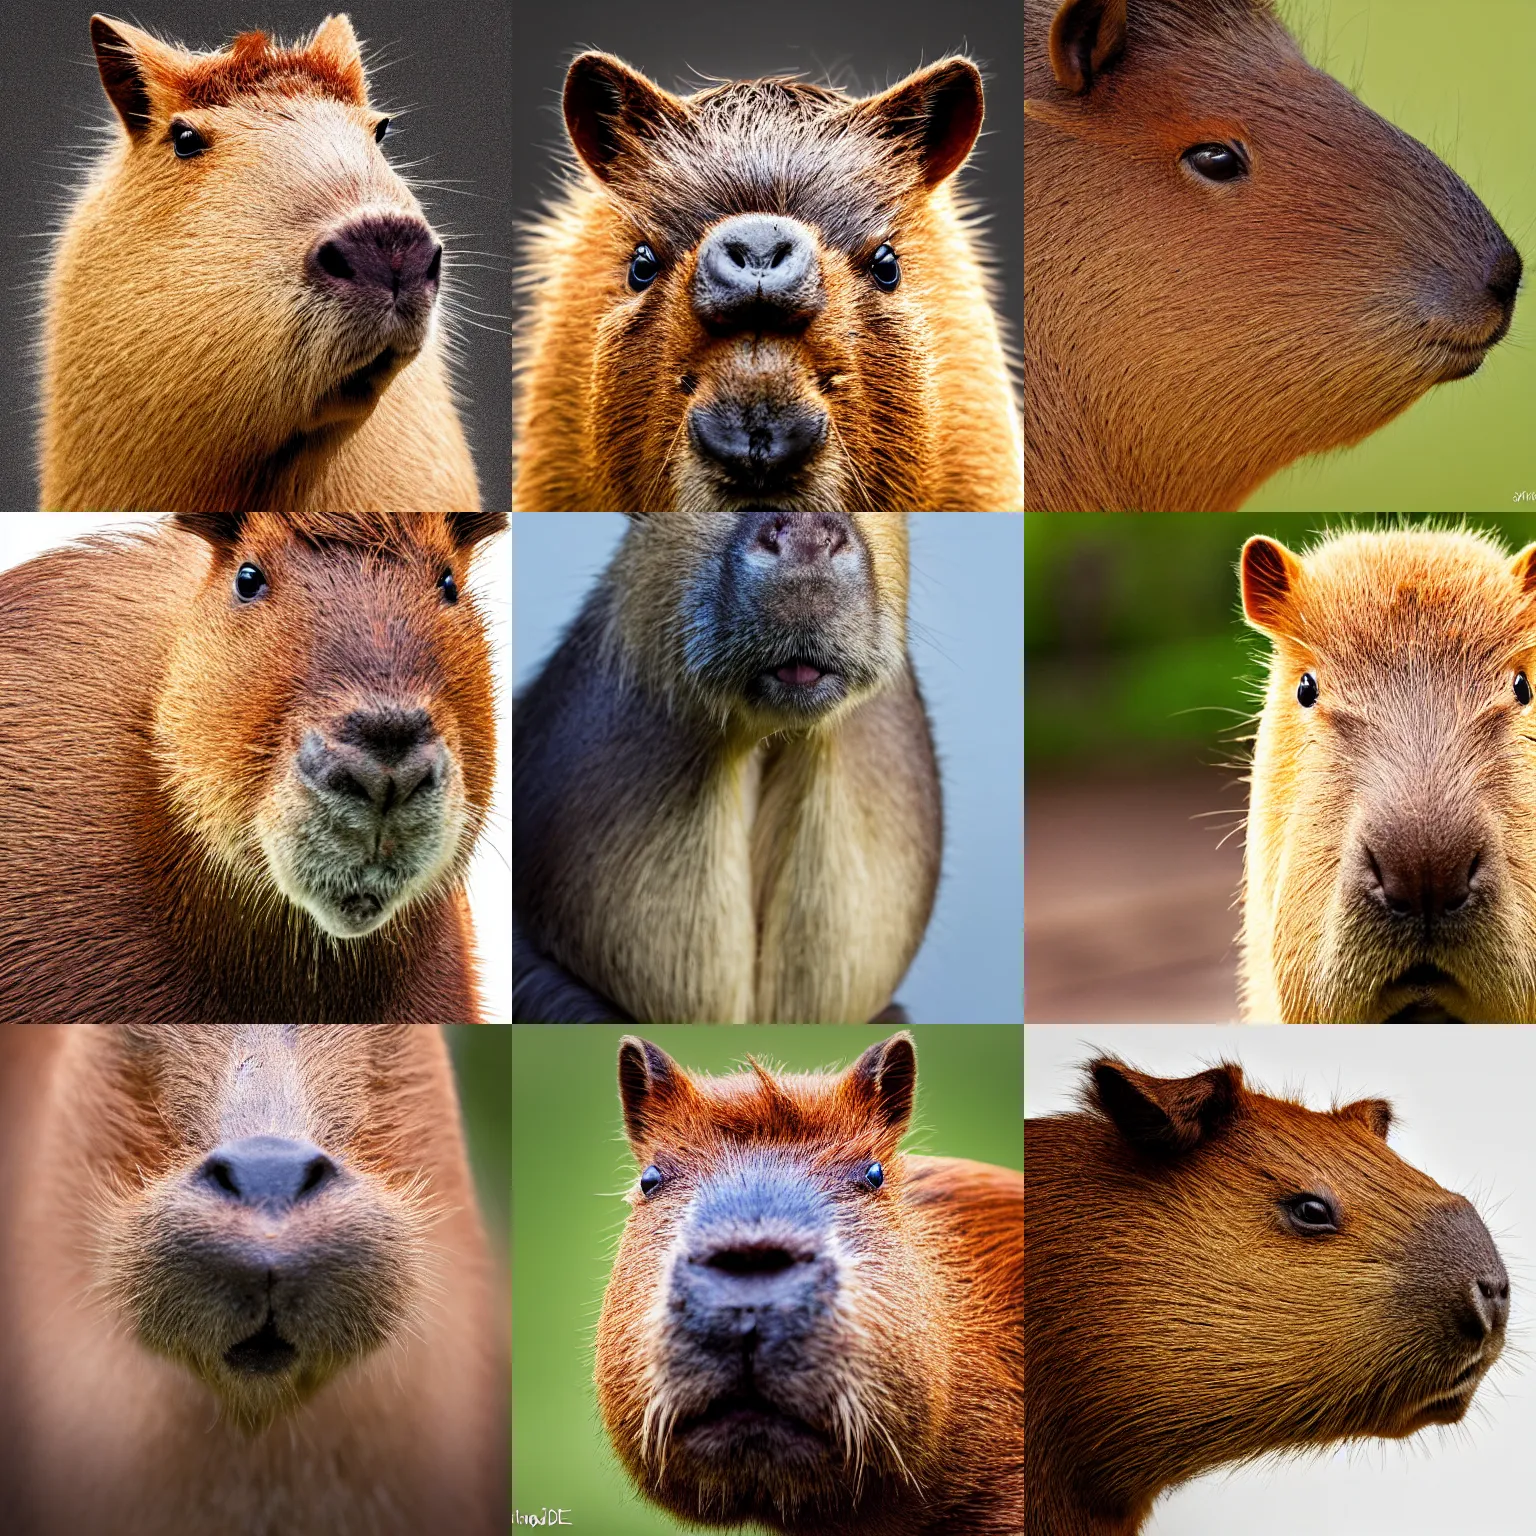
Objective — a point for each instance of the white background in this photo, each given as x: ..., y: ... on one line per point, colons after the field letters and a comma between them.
x: 1463, y: 1097
x: 25, y: 534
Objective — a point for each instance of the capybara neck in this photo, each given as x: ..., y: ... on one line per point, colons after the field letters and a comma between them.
x: 1263, y: 1278
x: 764, y: 295
x: 1229, y: 260
x: 244, y: 308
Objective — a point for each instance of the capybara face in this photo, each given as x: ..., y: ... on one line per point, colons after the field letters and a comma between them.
x: 254, y: 1220
x: 327, y: 719
x: 776, y: 619
x: 1229, y: 256
x: 253, y: 180
x: 1390, y: 872
x: 761, y: 1351
x: 770, y: 284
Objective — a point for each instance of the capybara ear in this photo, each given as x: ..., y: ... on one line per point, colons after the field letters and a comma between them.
x: 938, y: 108
x: 1271, y: 575
x: 128, y: 60
x: 647, y: 1076
x: 468, y: 528
x: 1087, y: 36
x: 1374, y: 1114
x: 886, y: 1076
x: 221, y: 529
x: 608, y: 106
x: 334, y: 45
x: 1523, y: 567
x: 1164, y: 1115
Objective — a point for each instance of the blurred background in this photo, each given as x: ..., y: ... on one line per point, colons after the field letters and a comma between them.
x: 572, y: 1169
x: 1429, y: 67
x: 965, y: 627
x: 1461, y: 1097
x: 482, y: 1068
x: 1142, y: 683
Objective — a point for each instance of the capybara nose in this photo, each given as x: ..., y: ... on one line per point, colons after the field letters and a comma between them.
x: 389, y: 255
x: 737, y: 1287
x: 757, y: 272
x: 1422, y: 876
x: 270, y: 1171
x: 1491, y: 1299
x: 382, y: 755
x: 1472, y: 1285
x: 800, y: 538
x: 1504, y: 277
x: 758, y: 444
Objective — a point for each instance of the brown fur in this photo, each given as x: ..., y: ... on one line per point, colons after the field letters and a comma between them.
x: 921, y: 405
x: 119, y: 1414
x: 1416, y: 752
x: 1185, y: 339
x: 1177, y: 1318
x: 159, y: 858
x: 912, y: 1374
x: 688, y: 852
x: 187, y: 362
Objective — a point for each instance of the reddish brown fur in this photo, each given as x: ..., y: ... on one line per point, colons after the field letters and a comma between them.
x: 1185, y: 339
x: 917, y: 1384
x: 255, y: 63
x: 108, y: 1425
x: 148, y: 726
x: 1177, y: 1319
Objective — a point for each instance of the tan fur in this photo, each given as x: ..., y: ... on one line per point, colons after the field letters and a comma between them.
x: 186, y: 363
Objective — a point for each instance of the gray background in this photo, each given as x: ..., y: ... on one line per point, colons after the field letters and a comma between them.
x: 864, y: 47
x: 967, y: 644
x: 444, y: 71
x: 1462, y: 1095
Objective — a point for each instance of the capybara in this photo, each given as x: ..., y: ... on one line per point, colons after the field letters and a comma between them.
x: 805, y: 1328
x: 725, y: 802
x: 244, y: 759
x: 1391, y: 847
x: 244, y: 306
x: 1229, y: 260
x: 244, y: 1287
x: 1213, y: 1274
x: 764, y: 295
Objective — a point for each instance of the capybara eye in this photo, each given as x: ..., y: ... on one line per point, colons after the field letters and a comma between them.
x: 885, y: 268
x: 186, y: 140
x: 1306, y: 691
x: 874, y: 1176
x: 1522, y: 688
x: 650, y: 1180
x: 381, y: 130
x: 448, y: 586
x: 643, y: 267
x: 1216, y: 162
x: 249, y: 583
x: 1311, y: 1214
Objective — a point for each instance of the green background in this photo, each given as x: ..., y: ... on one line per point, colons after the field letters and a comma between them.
x: 1457, y: 75
x: 482, y: 1065
x: 572, y: 1168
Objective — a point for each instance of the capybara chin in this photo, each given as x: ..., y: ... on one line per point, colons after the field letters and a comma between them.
x: 725, y: 800
x: 763, y: 295
x: 244, y: 761
x: 244, y: 308
x: 1390, y: 864
x: 1213, y: 1275
x: 1229, y: 260
x: 805, y: 1328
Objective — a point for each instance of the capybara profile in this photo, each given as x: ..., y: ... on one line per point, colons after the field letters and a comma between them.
x: 243, y: 308
x: 1391, y: 845
x: 244, y: 1286
x: 763, y: 295
x: 1229, y: 260
x: 725, y: 801
x: 1212, y: 1275
x: 804, y: 1328
x: 244, y: 760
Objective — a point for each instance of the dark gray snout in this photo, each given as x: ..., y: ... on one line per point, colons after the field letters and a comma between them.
x: 758, y: 272
x: 759, y: 444
x: 273, y: 1172
x: 377, y: 758
x: 379, y: 258
x: 1462, y: 1275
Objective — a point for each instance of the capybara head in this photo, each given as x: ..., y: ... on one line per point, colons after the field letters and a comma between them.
x: 762, y: 1352
x: 771, y: 282
x: 247, y: 237
x: 1231, y: 261
x: 1390, y: 865
x: 259, y: 1209
x: 768, y: 620
x: 327, y: 720
x: 1213, y: 1274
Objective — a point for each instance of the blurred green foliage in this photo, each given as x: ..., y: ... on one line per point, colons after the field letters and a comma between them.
x: 1135, y: 646
x: 572, y: 1169
x: 482, y: 1066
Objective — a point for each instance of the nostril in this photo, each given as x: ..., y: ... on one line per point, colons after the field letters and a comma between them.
x: 221, y: 1175
x: 435, y: 267
x: 319, y: 1170
x: 752, y: 1261
x: 333, y: 261
x: 1504, y: 279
